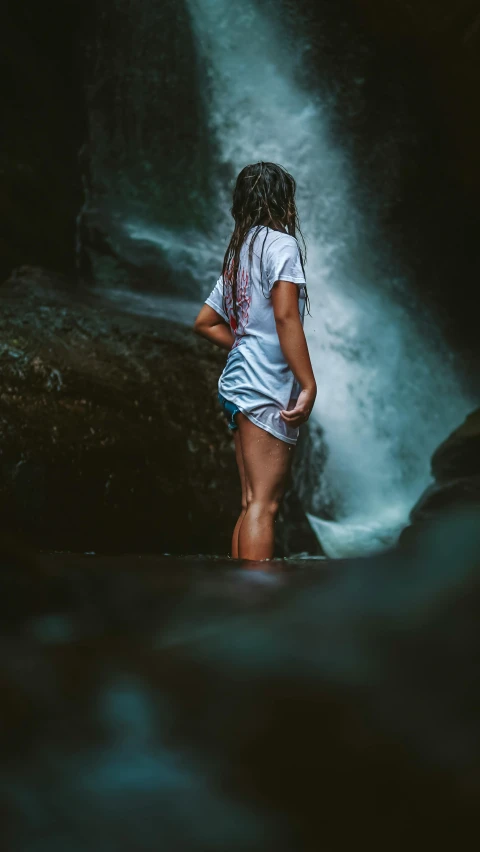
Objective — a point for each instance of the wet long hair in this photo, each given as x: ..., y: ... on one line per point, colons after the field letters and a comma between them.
x: 264, y: 193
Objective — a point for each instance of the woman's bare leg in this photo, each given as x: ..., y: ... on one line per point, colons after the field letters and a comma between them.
x: 245, y: 492
x: 266, y: 461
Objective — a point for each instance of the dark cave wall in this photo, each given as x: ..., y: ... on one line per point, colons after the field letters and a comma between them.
x: 43, y: 128
x: 148, y: 139
x: 437, y: 213
x: 447, y: 35
x: 402, y: 84
x: 438, y: 198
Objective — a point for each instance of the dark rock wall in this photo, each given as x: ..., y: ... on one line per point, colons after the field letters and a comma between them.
x: 147, y: 135
x: 43, y: 127
x: 440, y: 190
x: 111, y: 437
x: 402, y: 80
x: 455, y: 468
x: 447, y: 35
x: 149, y: 156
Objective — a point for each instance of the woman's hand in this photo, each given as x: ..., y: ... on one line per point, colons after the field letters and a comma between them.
x: 300, y: 414
x: 294, y: 347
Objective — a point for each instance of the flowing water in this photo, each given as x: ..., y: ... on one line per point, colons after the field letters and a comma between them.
x: 388, y: 392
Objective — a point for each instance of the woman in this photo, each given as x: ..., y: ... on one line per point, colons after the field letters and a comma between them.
x: 256, y: 310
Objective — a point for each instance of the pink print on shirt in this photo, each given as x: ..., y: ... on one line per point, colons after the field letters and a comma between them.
x: 243, y: 304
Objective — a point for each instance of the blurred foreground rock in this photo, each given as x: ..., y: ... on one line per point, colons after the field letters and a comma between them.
x: 280, y: 708
x: 111, y: 436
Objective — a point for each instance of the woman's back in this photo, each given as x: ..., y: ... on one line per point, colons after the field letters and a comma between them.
x: 257, y: 376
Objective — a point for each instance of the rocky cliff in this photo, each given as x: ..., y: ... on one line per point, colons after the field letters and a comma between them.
x: 111, y: 437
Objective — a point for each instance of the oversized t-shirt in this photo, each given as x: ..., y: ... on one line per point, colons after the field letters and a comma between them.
x: 256, y: 376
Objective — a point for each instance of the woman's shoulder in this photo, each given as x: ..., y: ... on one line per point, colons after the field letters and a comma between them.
x: 270, y: 242
x: 277, y: 240
x: 281, y: 243
x: 281, y: 235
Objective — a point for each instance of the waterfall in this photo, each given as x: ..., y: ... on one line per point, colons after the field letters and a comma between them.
x: 388, y: 392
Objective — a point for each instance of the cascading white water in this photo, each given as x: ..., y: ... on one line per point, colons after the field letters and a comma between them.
x: 387, y: 390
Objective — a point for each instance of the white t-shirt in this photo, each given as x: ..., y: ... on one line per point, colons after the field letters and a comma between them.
x: 257, y: 377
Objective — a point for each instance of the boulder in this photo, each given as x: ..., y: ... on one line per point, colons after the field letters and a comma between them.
x: 111, y: 434
x: 455, y: 466
x: 459, y: 454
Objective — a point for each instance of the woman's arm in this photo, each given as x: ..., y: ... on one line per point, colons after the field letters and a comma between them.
x: 294, y: 346
x: 213, y: 327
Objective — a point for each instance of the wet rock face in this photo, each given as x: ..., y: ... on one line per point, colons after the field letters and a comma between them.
x: 447, y: 34
x: 402, y: 79
x: 44, y: 123
x: 459, y: 454
x: 455, y: 466
x: 111, y: 435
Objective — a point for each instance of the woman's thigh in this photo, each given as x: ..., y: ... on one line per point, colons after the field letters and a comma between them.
x: 266, y: 461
